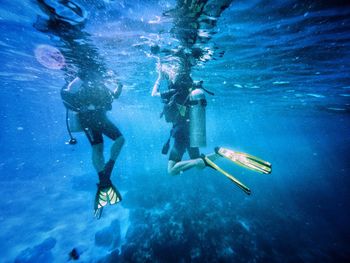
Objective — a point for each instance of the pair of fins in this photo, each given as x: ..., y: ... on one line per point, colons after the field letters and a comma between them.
x: 243, y: 159
x: 105, y: 195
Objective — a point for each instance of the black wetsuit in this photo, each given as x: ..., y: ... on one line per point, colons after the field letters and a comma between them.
x: 181, y: 131
x: 96, y: 123
x: 92, y: 103
x: 181, y: 135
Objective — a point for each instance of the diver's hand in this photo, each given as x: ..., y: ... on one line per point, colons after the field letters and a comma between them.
x: 118, y: 90
x: 155, y: 89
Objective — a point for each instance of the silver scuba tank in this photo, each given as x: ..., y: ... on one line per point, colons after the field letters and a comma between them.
x: 197, y: 103
x: 73, y: 119
x: 73, y: 122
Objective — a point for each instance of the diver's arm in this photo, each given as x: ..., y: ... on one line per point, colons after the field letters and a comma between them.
x: 155, y: 89
x: 75, y: 85
x: 118, y: 90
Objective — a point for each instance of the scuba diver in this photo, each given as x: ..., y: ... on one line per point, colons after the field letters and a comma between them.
x: 91, y: 101
x: 85, y: 95
x: 177, y: 99
x: 184, y: 107
x: 184, y: 100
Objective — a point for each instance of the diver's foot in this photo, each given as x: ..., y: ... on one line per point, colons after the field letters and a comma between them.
x: 200, y: 163
x: 209, y: 159
x: 105, y: 194
x: 204, y: 159
x: 216, y: 149
x: 105, y: 180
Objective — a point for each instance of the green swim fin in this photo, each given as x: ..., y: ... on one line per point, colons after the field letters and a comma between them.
x: 245, y: 160
x: 211, y: 164
x: 105, y: 195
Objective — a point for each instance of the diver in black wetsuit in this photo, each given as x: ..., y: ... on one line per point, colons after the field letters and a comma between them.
x: 184, y: 100
x: 85, y: 92
x: 176, y: 111
x: 176, y: 69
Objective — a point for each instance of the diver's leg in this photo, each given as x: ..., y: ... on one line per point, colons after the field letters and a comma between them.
x: 96, y: 140
x: 175, y: 165
x: 175, y: 156
x: 116, y: 147
x: 110, y: 130
x: 98, y: 159
x: 90, y: 128
x: 101, y: 197
x: 115, y: 150
x: 106, y: 193
x: 194, y: 153
x: 175, y: 168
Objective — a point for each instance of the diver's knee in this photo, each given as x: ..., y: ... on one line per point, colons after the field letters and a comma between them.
x: 200, y: 164
x: 171, y: 170
x: 97, y: 148
x: 121, y: 140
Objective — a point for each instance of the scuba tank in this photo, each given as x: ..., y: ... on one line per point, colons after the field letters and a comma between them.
x: 72, y: 119
x: 197, y: 104
x: 73, y: 122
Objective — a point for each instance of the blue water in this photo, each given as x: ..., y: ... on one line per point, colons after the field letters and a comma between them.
x: 282, y: 92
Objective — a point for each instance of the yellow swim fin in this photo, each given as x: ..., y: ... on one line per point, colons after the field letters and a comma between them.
x: 100, y: 202
x: 245, y: 160
x: 113, y: 195
x: 105, y: 195
x: 210, y: 163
